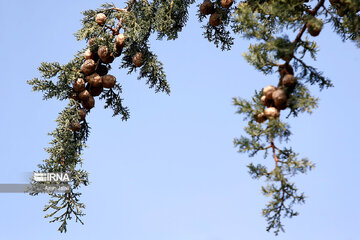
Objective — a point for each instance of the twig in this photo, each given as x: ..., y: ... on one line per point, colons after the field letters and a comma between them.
x: 301, y: 61
x: 298, y: 37
x: 118, y: 27
x: 171, y: 6
x: 120, y: 9
x: 110, y: 28
x: 317, y: 7
x: 312, y: 13
x: 274, y: 152
x: 327, y: 10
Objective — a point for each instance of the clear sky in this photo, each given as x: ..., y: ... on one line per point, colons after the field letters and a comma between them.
x: 171, y: 172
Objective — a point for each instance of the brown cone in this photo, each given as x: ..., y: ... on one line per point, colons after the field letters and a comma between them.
x: 266, y: 102
x: 100, y: 19
x: 260, y: 118
x: 96, y: 91
x: 92, y: 41
x: 84, y: 95
x: 108, y: 81
x: 207, y: 7
x: 109, y: 59
x: 289, y: 80
x: 226, y: 3
x: 268, y: 91
x: 75, y: 126
x: 79, y: 85
x: 88, y: 55
x: 94, y: 80
x: 117, y: 50
x: 138, y: 59
x: 104, y: 53
x: 279, y: 97
x: 82, y: 114
x: 89, y: 103
x: 120, y: 40
x: 286, y: 69
x: 215, y: 19
x: 272, y: 112
x: 88, y: 67
x: 313, y: 31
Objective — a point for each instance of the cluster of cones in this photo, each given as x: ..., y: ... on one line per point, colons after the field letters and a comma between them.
x: 276, y: 98
x: 208, y: 8
x: 95, y: 73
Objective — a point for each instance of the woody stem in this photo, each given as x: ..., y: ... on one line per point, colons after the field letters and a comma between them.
x: 274, y: 152
x: 312, y: 13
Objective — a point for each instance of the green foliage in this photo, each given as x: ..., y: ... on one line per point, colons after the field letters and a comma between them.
x: 261, y: 139
x: 114, y: 101
x: 283, y: 193
x: 347, y: 26
x: 65, y: 156
x: 219, y: 35
x: 272, y: 24
x: 139, y: 20
x: 278, y: 29
x: 65, y: 74
x: 171, y: 17
x: 301, y: 101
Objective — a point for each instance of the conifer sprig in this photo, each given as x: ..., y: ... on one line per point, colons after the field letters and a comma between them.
x: 272, y: 23
x: 101, y: 27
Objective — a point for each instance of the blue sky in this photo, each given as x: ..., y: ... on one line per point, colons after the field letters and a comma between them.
x: 171, y: 172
